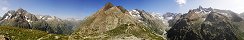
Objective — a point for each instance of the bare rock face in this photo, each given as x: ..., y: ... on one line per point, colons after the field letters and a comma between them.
x: 212, y: 26
x: 192, y: 16
x: 111, y: 23
x: 20, y: 18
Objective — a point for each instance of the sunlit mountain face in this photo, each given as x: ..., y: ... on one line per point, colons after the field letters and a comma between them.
x: 121, y: 20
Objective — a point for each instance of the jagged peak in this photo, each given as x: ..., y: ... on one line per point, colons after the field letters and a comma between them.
x: 137, y: 9
x: 21, y: 10
x: 107, y: 6
x: 200, y: 7
x: 192, y: 15
x: 122, y: 9
x: 110, y: 6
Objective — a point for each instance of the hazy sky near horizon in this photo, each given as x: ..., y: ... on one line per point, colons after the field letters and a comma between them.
x: 83, y: 8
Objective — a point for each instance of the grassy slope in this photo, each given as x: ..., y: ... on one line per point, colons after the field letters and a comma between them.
x: 141, y: 32
x: 122, y: 30
x: 28, y: 34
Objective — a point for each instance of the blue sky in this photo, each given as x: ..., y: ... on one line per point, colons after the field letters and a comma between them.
x: 83, y: 8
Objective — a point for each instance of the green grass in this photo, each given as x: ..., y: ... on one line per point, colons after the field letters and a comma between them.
x: 119, y: 30
x: 141, y: 32
x: 146, y: 32
x: 123, y: 29
x: 242, y: 36
x: 15, y: 33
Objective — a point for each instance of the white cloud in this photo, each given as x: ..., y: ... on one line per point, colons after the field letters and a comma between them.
x: 181, y: 2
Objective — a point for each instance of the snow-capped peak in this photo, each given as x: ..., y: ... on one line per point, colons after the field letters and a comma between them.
x: 203, y: 10
x: 139, y: 14
x: 135, y: 13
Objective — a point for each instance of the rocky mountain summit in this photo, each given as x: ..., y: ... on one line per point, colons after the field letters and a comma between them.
x: 114, y: 23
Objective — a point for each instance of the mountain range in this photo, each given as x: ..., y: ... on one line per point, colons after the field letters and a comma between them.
x: 51, y: 24
x: 113, y: 22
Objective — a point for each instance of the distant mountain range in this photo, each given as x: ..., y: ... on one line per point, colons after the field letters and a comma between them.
x: 51, y: 24
x: 116, y: 23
